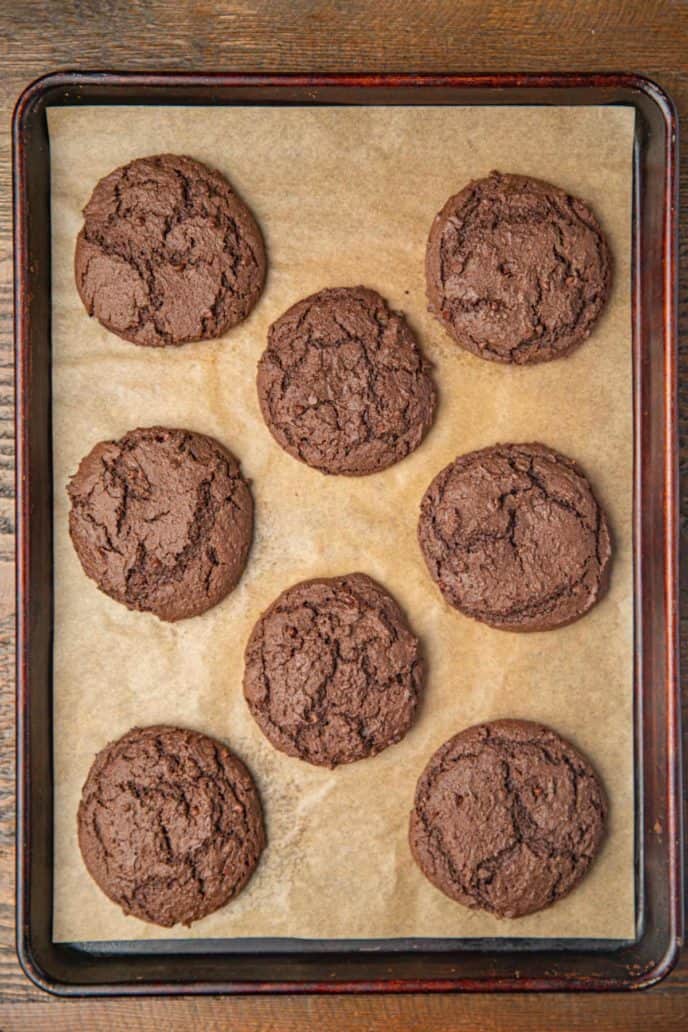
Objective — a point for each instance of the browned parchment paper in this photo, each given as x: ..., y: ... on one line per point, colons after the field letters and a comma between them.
x: 344, y: 196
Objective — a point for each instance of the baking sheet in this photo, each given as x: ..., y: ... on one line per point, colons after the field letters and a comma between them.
x: 344, y: 196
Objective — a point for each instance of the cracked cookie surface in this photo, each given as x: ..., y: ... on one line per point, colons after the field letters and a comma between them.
x: 514, y: 536
x: 507, y: 818
x: 333, y: 673
x: 170, y: 824
x: 168, y: 253
x: 161, y: 520
x: 517, y: 270
x: 343, y: 385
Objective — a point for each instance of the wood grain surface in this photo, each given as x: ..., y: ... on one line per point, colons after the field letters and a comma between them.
x: 37, y: 36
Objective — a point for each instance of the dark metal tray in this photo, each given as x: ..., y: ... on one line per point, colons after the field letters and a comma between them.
x: 250, y: 966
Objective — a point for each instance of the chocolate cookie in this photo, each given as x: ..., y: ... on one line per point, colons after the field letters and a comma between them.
x: 508, y: 817
x: 343, y: 385
x: 514, y: 537
x: 517, y: 270
x: 161, y: 520
x: 168, y: 253
x: 170, y: 824
x: 333, y: 673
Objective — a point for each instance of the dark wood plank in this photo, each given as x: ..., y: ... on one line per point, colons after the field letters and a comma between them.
x: 37, y: 36
x: 337, y: 1014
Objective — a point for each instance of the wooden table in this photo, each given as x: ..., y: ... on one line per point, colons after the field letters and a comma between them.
x: 36, y: 36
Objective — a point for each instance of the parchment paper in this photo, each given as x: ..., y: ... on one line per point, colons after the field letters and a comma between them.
x: 344, y: 196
